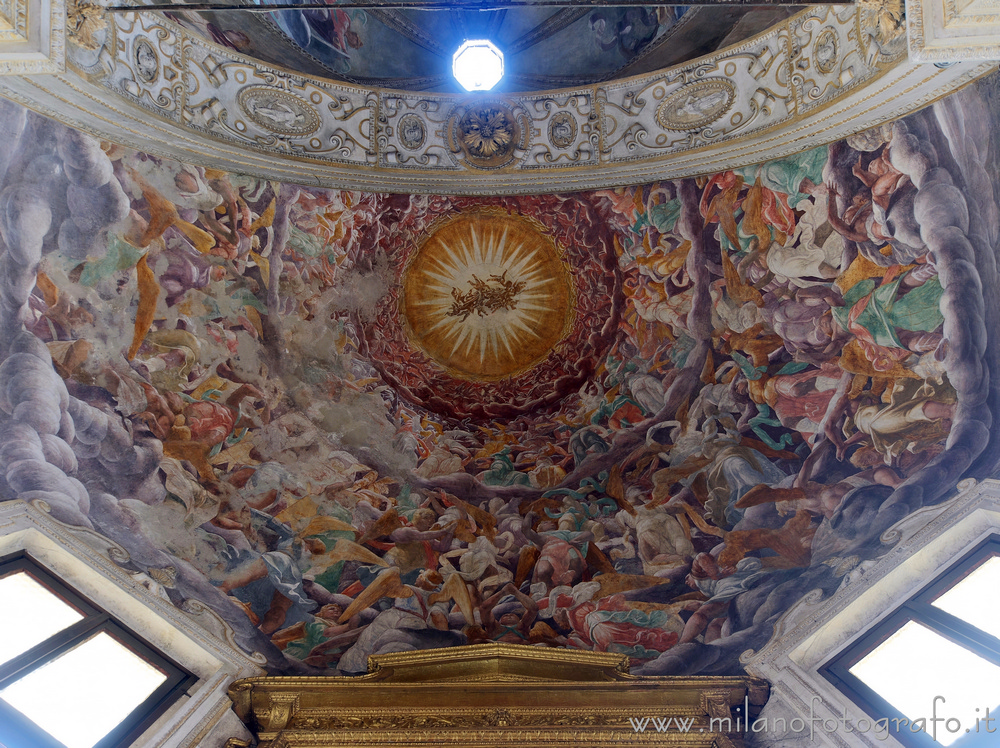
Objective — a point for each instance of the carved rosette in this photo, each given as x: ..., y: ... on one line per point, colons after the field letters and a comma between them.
x: 487, y: 134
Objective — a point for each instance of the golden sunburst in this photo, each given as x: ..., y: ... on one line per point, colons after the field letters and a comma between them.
x: 487, y: 296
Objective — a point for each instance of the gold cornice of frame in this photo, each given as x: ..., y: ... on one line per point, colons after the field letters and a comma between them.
x: 496, y: 695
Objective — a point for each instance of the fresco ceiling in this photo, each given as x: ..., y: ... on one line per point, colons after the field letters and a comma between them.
x: 544, y: 48
x: 643, y: 420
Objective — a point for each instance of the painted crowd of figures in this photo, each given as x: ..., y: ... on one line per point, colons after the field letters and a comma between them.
x: 783, y: 368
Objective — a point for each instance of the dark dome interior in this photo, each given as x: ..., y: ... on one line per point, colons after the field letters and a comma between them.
x: 544, y: 48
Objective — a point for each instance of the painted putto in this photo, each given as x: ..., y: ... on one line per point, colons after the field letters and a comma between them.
x: 643, y: 420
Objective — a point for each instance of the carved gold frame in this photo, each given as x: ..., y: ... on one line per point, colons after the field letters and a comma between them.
x: 496, y: 695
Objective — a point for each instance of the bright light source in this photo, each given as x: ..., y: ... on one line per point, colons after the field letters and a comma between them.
x: 478, y: 65
x: 915, y: 666
x: 80, y: 697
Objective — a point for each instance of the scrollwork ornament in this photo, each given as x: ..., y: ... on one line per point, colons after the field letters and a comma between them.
x: 412, y: 132
x: 41, y: 505
x: 562, y: 130
x: 119, y: 555
x: 967, y: 484
x: 279, y: 713
x: 196, y: 609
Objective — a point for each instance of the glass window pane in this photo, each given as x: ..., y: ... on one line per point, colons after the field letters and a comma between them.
x: 974, y: 599
x: 81, y: 696
x: 31, y: 614
x: 915, y: 665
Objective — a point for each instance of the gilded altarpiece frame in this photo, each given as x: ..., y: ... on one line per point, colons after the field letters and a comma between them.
x: 498, y: 695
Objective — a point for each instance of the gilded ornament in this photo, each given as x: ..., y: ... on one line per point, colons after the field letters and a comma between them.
x: 278, y: 111
x: 167, y: 576
x: 885, y: 19
x: 85, y: 23
x: 499, y: 718
x: 562, y: 130
x: 147, y: 62
x: 412, y: 132
x: 487, y: 133
x: 696, y: 106
x: 495, y: 695
x: 825, y: 52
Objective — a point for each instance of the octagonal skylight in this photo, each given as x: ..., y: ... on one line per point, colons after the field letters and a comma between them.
x: 478, y: 65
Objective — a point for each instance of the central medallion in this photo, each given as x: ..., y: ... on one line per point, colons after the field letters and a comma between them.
x: 500, y: 306
x: 487, y: 134
x: 487, y: 296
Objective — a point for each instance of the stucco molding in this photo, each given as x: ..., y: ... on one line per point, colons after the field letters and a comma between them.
x: 823, y: 74
x: 945, y: 31
x: 815, y: 629
x: 195, y: 638
x: 32, y: 37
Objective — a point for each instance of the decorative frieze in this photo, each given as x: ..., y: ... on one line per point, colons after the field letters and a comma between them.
x: 822, y: 74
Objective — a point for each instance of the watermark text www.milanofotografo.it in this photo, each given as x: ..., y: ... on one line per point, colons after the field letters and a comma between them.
x: 934, y: 725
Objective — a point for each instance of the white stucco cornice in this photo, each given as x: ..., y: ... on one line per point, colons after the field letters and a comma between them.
x: 944, y: 31
x: 825, y: 73
x: 32, y: 37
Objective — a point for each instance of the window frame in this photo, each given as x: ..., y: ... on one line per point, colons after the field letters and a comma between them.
x: 95, y: 621
x: 918, y: 608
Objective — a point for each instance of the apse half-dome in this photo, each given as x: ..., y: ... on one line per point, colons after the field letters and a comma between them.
x: 496, y: 313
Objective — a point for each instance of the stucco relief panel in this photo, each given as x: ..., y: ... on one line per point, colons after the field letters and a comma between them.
x: 540, y: 132
x: 274, y: 110
x: 792, y: 71
x: 412, y: 133
x: 721, y: 98
x: 565, y: 131
x: 147, y: 66
x: 826, y: 59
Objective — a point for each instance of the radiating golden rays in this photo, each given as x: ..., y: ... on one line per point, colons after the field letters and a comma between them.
x: 487, y: 296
